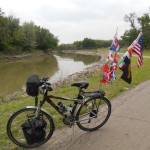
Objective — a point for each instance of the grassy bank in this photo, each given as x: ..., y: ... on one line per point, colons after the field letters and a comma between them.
x: 138, y: 75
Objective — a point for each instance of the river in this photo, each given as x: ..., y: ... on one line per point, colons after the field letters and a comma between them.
x: 13, y: 74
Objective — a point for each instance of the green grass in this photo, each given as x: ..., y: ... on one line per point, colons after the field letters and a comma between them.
x: 146, y: 52
x: 123, y: 50
x: 6, y: 109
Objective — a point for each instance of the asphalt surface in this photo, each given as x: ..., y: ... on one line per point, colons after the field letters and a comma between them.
x: 128, y: 127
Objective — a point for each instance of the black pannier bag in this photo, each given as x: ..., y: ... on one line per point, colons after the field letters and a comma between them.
x: 34, y: 130
x: 32, y: 85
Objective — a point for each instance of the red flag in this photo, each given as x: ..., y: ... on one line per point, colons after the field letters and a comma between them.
x: 107, y: 75
x: 105, y: 68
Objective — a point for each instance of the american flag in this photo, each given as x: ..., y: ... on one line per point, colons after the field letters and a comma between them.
x: 137, y: 47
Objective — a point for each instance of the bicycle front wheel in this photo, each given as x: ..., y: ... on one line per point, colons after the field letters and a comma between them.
x: 93, y: 114
x: 19, y: 137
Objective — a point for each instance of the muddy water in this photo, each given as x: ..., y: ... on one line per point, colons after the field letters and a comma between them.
x: 13, y: 74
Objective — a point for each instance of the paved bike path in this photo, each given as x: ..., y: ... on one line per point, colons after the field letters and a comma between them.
x: 127, y: 129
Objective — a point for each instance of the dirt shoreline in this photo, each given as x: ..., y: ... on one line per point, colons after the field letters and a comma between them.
x: 6, y: 58
x: 14, y: 57
x: 19, y: 57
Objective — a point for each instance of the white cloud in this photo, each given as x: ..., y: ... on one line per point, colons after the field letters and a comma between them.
x: 73, y: 20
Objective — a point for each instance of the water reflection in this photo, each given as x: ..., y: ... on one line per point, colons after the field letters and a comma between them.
x: 86, y: 59
x: 70, y: 63
x: 13, y: 75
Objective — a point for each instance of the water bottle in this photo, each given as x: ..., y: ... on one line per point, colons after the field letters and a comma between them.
x: 69, y: 110
x: 61, y: 106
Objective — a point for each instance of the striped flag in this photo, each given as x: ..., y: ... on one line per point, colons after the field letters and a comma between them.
x: 137, y: 47
x: 115, y: 44
x: 122, y: 65
x: 111, y: 63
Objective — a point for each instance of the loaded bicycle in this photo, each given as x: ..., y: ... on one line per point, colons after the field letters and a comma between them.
x: 33, y: 126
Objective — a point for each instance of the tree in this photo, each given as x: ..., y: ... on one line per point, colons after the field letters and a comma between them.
x: 78, y: 44
x: 131, y: 19
x: 20, y: 39
x: 45, y: 40
x: 29, y: 30
x: 144, y: 26
x: 88, y: 43
x: 4, y: 33
x: 129, y: 36
x: 144, y: 22
x: 1, y: 13
x: 13, y: 24
x: 13, y: 36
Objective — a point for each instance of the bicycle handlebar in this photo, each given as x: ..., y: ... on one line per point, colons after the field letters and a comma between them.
x: 45, y: 85
x: 45, y: 79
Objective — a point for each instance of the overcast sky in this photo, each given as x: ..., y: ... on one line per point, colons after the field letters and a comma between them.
x: 72, y: 20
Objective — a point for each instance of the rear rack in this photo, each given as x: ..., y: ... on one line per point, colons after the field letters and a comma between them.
x: 95, y: 94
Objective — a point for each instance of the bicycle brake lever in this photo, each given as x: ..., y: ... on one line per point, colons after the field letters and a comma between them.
x: 45, y: 79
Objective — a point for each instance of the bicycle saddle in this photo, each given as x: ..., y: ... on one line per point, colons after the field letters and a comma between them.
x: 82, y: 84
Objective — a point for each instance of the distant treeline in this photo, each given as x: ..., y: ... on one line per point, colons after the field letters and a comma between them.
x: 86, y: 43
x: 20, y: 38
x: 137, y: 24
x: 16, y: 38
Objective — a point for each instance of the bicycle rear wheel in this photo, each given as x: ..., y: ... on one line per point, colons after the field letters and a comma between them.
x: 94, y: 114
x: 16, y: 133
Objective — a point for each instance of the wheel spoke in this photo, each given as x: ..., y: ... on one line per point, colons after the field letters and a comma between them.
x: 21, y: 134
x: 93, y: 114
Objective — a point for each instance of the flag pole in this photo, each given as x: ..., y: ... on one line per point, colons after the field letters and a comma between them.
x: 115, y: 35
x: 116, y: 32
x: 99, y: 81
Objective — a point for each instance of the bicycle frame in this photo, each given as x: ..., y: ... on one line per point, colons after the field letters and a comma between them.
x: 83, y: 112
x: 48, y: 99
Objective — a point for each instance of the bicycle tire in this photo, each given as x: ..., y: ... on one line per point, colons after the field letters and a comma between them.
x: 14, y: 130
x: 90, y: 111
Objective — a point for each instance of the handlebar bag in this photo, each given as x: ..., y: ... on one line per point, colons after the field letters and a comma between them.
x: 32, y: 85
